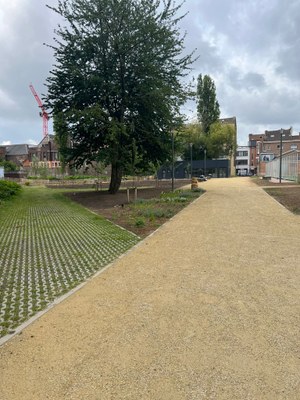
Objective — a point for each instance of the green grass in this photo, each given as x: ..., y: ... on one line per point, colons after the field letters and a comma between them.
x: 48, y: 245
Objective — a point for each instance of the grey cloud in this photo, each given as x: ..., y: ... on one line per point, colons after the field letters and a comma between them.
x: 250, y: 81
x: 209, y: 60
x: 24, y: 59
x: 264, y: 107
x: 289, y: 46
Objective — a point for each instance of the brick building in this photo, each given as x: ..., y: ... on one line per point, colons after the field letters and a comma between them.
x: 45, y: 154
x: 254, y: 151
x: 265, y: 147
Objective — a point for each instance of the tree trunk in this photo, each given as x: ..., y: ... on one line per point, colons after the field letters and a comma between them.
x: 115, y: 179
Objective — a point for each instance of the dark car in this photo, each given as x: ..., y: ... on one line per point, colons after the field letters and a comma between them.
x: 202, y: 178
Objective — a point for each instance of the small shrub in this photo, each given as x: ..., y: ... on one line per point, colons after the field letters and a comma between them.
x: 27, y: 183
x: 198, y: 190
x: 8, y: 189
x: 139, y: 222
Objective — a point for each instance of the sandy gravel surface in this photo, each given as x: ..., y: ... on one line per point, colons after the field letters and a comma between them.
x: 206, y: 308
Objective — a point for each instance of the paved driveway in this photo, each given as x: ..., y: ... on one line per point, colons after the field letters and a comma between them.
x: 206, y: 308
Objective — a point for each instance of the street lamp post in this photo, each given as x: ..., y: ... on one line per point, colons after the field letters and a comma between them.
x: 191, y: 147
x: 204, y: 162
x: 173, y: 168
x: 280, y: 159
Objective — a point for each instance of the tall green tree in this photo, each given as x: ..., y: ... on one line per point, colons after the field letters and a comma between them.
x: 191, y: 135
x: 116, y: 85
x: 208, y: 108
x: 221, y: 140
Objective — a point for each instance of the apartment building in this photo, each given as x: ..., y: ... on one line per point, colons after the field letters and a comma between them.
x: 242, y: 165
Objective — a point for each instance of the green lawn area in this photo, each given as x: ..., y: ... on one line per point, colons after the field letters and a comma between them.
x: 48, y: 245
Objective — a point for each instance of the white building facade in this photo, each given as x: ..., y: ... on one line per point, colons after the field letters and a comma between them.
x: 242, y: 161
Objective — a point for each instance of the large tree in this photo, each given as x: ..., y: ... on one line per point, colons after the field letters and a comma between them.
x: 208, y: 108
x: 221, y: 140
x: 116, y: 85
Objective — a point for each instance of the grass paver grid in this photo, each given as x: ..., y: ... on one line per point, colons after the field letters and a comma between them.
x: 48, y: 246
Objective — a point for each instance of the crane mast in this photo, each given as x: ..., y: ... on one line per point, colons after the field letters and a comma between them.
x: 43, y: 112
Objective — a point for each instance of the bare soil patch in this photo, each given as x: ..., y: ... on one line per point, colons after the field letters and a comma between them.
x: 102, y: 199
x: 268, y: 182
x: 286, y: 193
x: 289, y: 197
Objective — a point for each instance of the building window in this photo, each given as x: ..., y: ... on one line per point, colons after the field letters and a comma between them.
x: 242, y: 153
x: 294, y: 147
x: 241, y: 162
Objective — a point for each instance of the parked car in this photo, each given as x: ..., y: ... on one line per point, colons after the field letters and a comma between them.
x: 202, y: 178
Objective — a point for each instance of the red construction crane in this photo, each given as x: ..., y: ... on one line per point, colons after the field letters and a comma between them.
x: 43, y: 112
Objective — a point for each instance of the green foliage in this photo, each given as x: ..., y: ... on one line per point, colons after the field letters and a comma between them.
x: 9, y: 166
x: 178, y: 196
x: 153, y: 213
x: 193, y: 134
x: 150, y: 212
x: 221, y: 140
x: 198, y: 190
x: 139, y: 222
x: 8, y: 189
x: 207, y: 105
x: 115, y: 89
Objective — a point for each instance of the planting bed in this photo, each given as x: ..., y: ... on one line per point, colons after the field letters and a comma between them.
x: 153, y: 206
x: 289, y: 197
x: 49, y: 245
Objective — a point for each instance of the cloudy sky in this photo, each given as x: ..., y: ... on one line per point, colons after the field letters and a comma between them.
x: 251, y: 48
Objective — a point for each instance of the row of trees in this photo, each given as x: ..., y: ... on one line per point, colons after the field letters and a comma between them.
x: 116, y: 88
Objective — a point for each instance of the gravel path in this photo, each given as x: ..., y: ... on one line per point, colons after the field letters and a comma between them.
x: 206, y: 308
